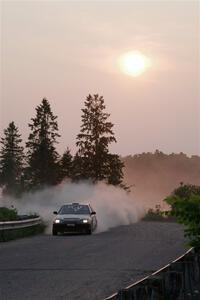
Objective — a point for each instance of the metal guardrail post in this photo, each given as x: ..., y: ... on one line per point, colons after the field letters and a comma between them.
x: 124, y: 295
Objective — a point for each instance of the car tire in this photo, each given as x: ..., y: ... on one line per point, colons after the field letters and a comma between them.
x: 54, y: 231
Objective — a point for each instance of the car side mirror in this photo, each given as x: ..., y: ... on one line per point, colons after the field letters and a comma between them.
x: 55, y: 212
x: 93, y: 213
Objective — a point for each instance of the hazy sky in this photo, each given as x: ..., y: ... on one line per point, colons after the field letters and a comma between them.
x: 64, y: 50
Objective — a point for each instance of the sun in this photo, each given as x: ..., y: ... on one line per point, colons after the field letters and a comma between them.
x: 134, y: 63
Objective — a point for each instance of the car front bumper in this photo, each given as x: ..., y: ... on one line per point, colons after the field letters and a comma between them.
x: 71, y: 227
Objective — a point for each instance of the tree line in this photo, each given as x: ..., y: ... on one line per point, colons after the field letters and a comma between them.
x: 38, y: 164
x: 155, y: 175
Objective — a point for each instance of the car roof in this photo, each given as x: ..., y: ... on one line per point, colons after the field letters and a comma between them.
x: 76, y: 203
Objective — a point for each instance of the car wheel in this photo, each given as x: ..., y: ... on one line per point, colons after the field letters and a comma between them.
x: 54, y: 231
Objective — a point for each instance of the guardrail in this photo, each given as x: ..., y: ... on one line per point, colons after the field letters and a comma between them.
x: 179, y: 280
x: 8, y: 225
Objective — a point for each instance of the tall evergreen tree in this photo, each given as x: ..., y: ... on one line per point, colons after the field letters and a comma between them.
x: 43, y: 158
x: 11, y: 161
x: 93, y: 160
x: 66, y: 165
x: 115, y: 173
x: 80, y: 170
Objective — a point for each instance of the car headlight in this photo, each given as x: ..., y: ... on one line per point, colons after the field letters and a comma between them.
x: 57, y: 221
x: 85, y: 221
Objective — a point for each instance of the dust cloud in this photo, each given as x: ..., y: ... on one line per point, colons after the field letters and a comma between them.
x: 113, y: 205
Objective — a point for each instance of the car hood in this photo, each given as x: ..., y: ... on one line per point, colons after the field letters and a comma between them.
x: 62, y: 217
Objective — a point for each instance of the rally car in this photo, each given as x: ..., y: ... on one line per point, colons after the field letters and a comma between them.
x: 74, y: 217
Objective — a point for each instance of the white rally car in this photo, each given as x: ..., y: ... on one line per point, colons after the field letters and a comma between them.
x: 74, y: 217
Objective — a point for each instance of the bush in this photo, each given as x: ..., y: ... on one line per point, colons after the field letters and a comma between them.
x: 185, y: 206
x: 8, y: 214
x: 185, y: 191
x: 158, y: 215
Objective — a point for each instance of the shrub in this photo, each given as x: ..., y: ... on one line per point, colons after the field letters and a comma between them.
x: 8, y: 214
x: 158, y: 215
x: 185, y: 206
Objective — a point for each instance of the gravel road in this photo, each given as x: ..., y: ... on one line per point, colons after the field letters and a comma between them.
x: 86, y: 267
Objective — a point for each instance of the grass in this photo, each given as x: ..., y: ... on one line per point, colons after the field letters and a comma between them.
x: 13, y: 234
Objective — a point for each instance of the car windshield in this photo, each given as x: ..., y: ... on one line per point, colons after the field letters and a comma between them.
x: 74, y: 209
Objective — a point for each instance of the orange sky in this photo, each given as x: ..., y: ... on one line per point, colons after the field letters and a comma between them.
x: 63, y: 50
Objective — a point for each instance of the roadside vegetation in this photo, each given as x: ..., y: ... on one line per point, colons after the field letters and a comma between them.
x: 10, y: 214
x: 158, y: 215
x: 185, y: 207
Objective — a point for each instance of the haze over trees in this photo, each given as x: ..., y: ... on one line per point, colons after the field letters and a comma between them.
x: 155, y: 175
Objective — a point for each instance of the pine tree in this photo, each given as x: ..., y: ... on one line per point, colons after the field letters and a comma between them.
x: 11, y: 161
x: 93, y: 160
x: 43, y: 169
x: 80, y: 170
x: 66, y: 165
x: 115, y: 174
